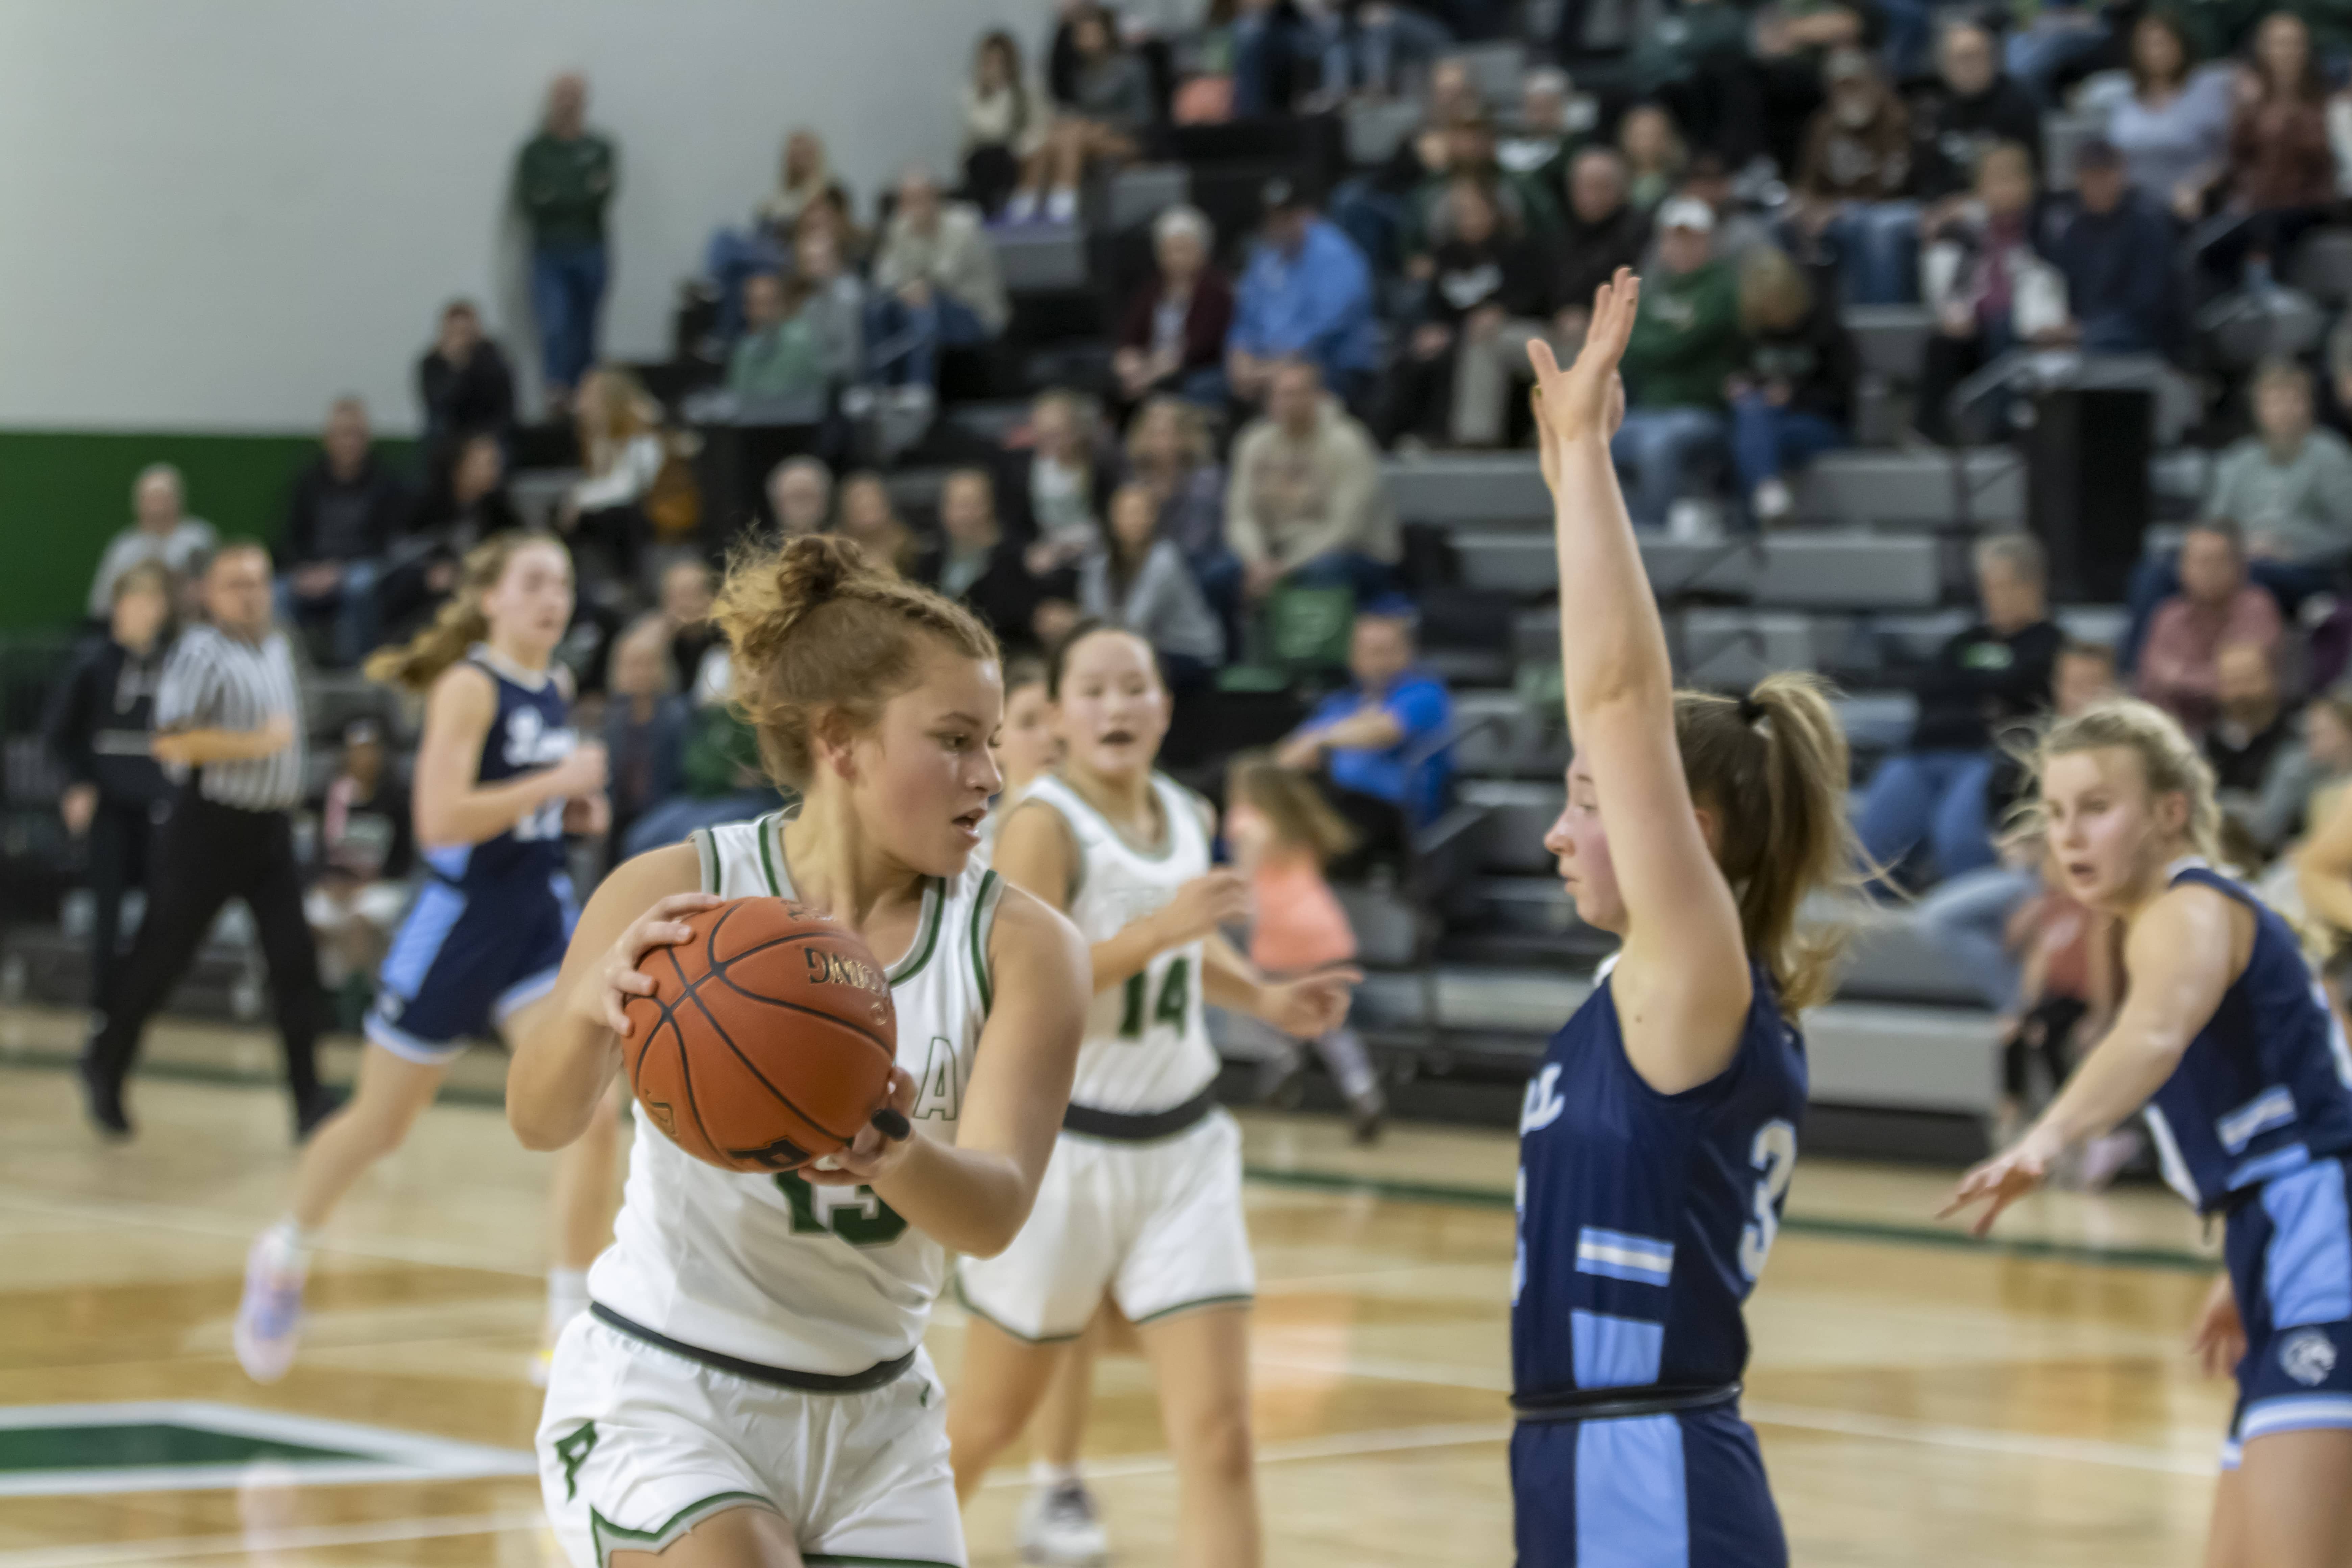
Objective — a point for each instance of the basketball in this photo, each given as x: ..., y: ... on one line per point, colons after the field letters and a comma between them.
x: 769, y: 1038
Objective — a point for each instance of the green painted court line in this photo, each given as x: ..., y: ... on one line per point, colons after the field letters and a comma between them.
x: 1846, y: 1229
x: 1922, y: 1235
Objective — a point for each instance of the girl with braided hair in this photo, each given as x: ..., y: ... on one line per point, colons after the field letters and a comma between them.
x: 749, y: 1389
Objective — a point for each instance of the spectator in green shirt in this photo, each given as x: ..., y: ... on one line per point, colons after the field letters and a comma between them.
x: 564, y: 179
x: 779, y: 354
x: 1685, y: 347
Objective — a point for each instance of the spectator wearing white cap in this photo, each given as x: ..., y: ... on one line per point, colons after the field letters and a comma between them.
x: 1685, y: 348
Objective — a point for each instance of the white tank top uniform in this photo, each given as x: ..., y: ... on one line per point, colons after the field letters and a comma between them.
x: 756, y: 1339
x: 1143, y: 1197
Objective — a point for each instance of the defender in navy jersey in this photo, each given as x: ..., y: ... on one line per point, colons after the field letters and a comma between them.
x: 2226, y: 1043
x: 1658, y: 1137
x: 499, y: 780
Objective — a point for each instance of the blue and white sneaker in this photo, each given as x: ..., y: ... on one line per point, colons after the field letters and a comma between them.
x: 269, y: 1318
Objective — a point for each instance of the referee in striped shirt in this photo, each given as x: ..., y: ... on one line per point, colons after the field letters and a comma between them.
x: 228, y: 729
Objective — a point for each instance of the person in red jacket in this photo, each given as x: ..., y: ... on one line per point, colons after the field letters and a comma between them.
x: 1176, y: 323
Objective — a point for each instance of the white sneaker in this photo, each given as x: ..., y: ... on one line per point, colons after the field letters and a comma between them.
x: 1059, y: 1527
x: 1772, y: 500
x: 1062, y: 206
x: 269, y: 1318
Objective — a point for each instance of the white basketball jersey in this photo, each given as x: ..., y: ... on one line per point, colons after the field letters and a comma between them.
x: 1147, y: 1046
x: 772, y: 1268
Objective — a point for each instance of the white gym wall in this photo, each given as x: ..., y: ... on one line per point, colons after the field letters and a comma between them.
x: 217, y: 215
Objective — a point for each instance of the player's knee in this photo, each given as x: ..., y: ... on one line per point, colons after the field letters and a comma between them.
x: 1213, y: 1443
x: 978, y: 1429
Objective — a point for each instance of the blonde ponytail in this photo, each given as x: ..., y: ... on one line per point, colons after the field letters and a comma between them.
x: 461, y: 621
x: 1773, y: 769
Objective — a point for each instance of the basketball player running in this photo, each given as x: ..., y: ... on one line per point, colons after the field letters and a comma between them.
x: 2227, y: 1042
x: 1143, y: 1199
x: 1657, y: 1138
x: 499, y: 781
x: 750, y: 1390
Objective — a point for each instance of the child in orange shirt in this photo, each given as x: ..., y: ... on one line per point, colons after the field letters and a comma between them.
x: 1282, y: 834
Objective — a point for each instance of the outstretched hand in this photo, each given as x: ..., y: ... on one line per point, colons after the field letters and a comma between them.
x: 2001, y: 1182
x: 1587, y: 399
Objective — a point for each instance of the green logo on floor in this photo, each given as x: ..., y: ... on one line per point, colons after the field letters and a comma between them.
x: 54, y: 1450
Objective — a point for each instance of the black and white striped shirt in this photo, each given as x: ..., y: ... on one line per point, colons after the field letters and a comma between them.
x: 213, y: 681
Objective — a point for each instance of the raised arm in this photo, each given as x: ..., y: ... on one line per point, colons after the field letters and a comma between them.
x: 1681, y: 986
x: 2180, y: 958
x: 452, y: 806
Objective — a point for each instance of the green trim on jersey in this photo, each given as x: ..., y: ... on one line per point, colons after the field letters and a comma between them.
x: 983, y: 910
x: 706, y: 851
x: 781, y: 885
x: 607, y: 1538
x: 779, y: 873
x: 955, y: 1288
x: 1205, y: 1303
x: 935, y: 906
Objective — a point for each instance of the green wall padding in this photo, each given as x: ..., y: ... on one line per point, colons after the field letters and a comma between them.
x: 63, y: 494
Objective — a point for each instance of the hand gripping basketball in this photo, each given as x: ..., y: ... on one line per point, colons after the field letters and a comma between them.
x: 761, y: 1035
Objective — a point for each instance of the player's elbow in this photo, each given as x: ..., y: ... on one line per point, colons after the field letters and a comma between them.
x: 538, y: 1126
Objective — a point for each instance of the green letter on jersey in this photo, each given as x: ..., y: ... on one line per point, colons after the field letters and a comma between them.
x: 856, y: 1214
x: 1174, y: 1004
x: 571, y: 1451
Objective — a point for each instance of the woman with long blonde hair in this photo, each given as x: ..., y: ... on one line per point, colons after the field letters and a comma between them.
x: 619, y: 429
x: 2225, y: 1043
x: 500, y: 780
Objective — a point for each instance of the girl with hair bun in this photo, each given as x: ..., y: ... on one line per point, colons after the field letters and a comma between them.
x: 1657, y: 1138
x: 749, y: 1389
x: 2226, y: 1043
x: 500, y: 780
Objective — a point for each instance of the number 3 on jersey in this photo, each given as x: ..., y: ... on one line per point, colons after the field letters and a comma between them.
x: 1774, y: 1153
x: 1175, y: 994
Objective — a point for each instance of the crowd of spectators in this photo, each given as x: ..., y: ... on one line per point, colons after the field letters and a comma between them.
x: 1766, y: 169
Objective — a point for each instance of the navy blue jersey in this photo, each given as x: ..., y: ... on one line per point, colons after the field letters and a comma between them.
x: 1644, y: 1218
x: 2266, y: 1086
x: 530, y: 731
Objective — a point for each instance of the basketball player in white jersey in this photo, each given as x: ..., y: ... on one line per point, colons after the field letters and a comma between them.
x: 749, y: 1388
x: 1143, y: 1199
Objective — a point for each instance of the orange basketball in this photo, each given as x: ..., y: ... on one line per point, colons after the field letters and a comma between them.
x: 768, y: 1040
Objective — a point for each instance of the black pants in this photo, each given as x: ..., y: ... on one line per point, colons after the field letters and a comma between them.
x: 2047, y: 1032
x: 121, y: 838
x: 204, y: 855
x: 1382, y: 831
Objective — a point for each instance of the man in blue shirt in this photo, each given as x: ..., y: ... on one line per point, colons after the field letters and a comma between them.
x: 1369, y: 743
x: 1307, y: 295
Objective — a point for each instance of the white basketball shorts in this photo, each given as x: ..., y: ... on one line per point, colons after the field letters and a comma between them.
x: 637, y: 1446
x: 1157, y: 1224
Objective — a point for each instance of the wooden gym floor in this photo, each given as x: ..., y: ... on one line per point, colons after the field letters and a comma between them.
x: 1921, y: 1400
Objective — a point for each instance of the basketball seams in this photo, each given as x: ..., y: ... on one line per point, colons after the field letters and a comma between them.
x: 692, y: 994
x: 672, y: 1012
x: 718, y: 968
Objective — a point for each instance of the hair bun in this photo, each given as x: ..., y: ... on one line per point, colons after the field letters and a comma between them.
x: 814, y: 567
